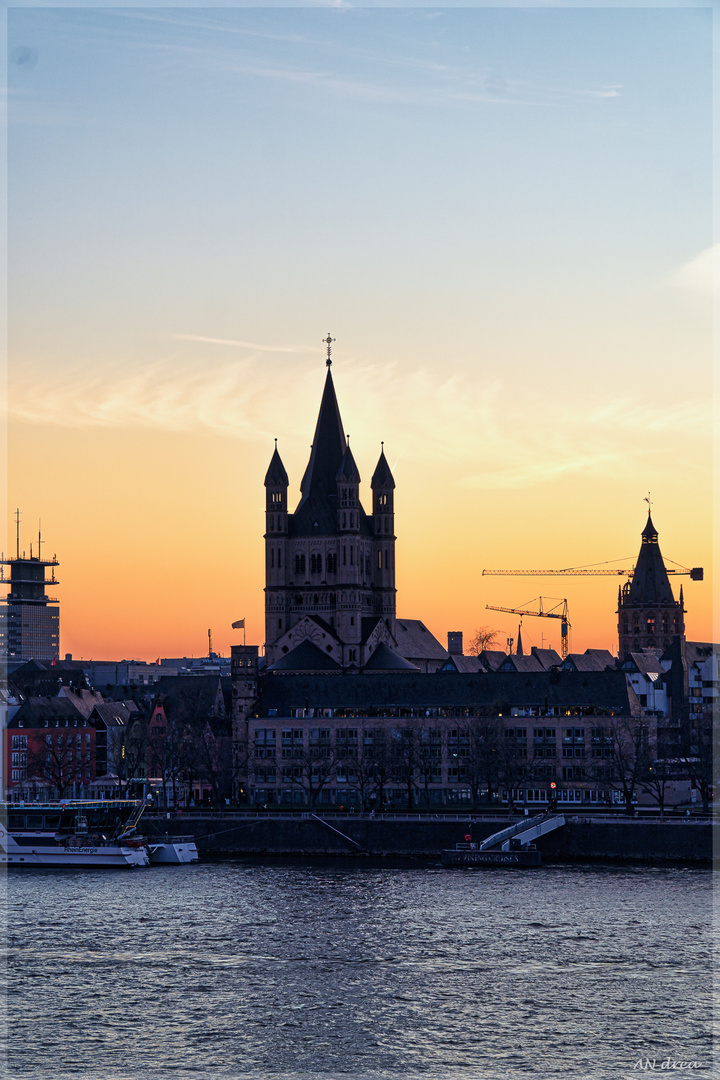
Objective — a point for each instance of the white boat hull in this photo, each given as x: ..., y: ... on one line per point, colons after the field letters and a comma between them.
x: 170, y: 851
x: 41, y: 852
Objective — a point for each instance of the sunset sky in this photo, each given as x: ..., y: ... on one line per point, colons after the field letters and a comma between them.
x: 503, y: 216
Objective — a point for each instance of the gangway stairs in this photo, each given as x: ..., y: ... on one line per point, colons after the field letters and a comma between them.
x: 512, y: 846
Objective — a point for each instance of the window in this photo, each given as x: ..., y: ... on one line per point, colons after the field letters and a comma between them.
x: 265, y: 736
x: 315, y: 564
x: 331, y: 563
x: 299, y: 564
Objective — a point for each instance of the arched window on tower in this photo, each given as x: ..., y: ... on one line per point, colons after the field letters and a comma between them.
x: 299, y: 564
x: 331, y: 563
x: 316, y: 564
x: 651, y: 624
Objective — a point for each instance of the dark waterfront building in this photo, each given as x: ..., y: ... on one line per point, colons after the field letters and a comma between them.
x: 29, y: 618
x: 649, y: 616
x: 407, y: 739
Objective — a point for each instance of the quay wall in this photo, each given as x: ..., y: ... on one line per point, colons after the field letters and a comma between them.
x: 579, y: 840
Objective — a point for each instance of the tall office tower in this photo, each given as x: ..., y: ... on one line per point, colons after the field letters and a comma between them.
x: 29, y: 618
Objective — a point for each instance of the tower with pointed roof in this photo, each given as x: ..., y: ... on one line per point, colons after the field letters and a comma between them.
x: 329, y: 566
x: 649, y: 616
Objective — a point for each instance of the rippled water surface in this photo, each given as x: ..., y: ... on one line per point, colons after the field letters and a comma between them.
x: 301, y: 970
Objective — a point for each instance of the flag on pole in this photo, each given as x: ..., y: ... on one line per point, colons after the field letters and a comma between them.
x: 239, y: 625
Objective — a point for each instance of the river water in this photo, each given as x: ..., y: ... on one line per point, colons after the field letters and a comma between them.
x: 294, y: 971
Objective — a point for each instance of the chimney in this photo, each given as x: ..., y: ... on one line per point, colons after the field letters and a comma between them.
x: 455, y: 642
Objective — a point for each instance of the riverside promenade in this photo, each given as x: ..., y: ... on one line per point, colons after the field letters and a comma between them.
x: 584, y: 838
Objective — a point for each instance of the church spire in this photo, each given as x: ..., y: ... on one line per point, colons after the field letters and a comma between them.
x: 649, y: 616
x: 650, y: 582
x: 319, y: 485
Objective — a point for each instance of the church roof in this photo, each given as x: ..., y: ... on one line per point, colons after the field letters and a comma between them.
x: 384, y: 659
x: 586, y: 661
x: 548, y: 658
x: 382, y: 477
x: 305, y: 657
x: 515, y: 662
x: 650, y: 583
x: 492, y: 659
x: 374, y: 691
x: 276, y: 474
x: 415, y: 642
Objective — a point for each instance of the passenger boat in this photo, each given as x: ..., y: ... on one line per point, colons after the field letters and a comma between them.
x: 172, y: 849
x: 73, y: 834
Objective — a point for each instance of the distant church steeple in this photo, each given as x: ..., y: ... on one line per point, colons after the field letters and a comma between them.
x: 649, y: 616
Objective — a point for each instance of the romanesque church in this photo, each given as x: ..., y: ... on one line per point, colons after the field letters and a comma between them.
x: 330, y: 566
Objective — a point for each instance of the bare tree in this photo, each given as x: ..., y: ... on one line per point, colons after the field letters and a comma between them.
x: 428, y: 759
x: 316, y: 764
x: 365, y: 766
x: 484, y: 638
x: 483, y: 756
x: 655, y: 781
x: 631, y: 755
x: 52, y: 761
x: 379, y: 748
x: 212, y: 755
x: 404, y: 758
x: 700, y: 750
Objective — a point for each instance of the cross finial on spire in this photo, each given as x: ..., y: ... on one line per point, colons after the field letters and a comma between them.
x: 328, y: 341
x: 647, y: 500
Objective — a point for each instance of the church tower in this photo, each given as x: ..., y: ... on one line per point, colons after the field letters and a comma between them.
x: 329, y: 566
x: 649, y: 616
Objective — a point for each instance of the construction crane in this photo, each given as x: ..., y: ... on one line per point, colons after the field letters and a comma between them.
x: 696, y: 573
x: 551, y: 613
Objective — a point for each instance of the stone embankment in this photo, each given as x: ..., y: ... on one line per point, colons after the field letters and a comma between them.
x: 582, y: 839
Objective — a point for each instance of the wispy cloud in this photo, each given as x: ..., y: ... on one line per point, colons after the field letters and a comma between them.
x: 481, y: 433
x: 243, y: 344
x: 701, y: 274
